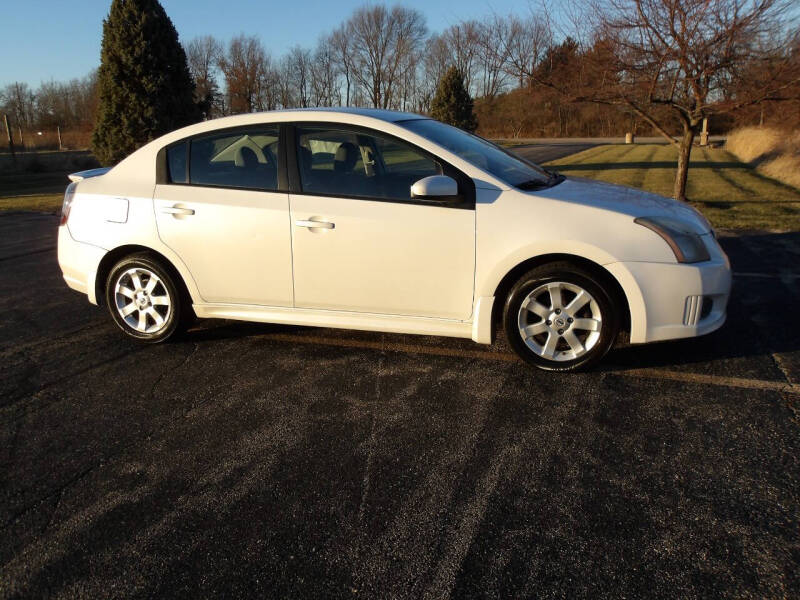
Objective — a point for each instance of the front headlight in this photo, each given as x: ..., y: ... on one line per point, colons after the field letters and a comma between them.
x: 684, y: 238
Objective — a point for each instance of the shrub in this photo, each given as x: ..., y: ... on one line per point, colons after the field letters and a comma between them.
x: 452, y: 103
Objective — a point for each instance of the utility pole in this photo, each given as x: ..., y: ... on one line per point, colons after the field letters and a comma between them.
x: 10, y: 138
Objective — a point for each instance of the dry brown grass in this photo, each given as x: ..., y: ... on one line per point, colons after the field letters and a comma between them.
x: 785, y: 168
x: 753, y: 144
x: 773, y: 152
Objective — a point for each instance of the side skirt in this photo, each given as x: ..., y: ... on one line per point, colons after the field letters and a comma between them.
x: 336, y: 319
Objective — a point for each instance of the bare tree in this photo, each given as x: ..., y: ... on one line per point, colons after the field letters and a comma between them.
x: 384, y: 41
x: 246, y: 67
x: 679, y: 60
x: 435, y: 61
x: 492, y: 57
x: 53, y: 107
x: 299, y: 73
x: 323, y: 75
x: 462, y: 41
x: 203, y: 55
x: 341, y: 49
x: 524, y: 42
x: 19, y: 101
x: 83, y: 97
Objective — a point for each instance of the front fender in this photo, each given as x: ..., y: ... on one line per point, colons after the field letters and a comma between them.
x: 489, y: 283
x: 488, y: 280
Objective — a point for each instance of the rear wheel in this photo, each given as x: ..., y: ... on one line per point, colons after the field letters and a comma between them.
x: 559, y: 317
x: 144, y: 299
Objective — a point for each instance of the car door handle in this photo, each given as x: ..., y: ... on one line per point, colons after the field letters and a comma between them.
x: 315, y: 224
x: 177, y: 210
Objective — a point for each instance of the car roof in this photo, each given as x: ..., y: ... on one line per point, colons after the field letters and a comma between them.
x: 349, y: 114
x: 392, y: 116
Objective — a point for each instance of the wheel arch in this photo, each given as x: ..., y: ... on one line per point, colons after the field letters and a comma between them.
x: 512, y: 276
x: 113, y: 256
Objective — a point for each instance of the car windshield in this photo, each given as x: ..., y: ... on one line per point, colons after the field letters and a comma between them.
x: 484, y: 155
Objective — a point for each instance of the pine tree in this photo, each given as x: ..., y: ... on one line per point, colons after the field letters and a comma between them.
x: 452, y: 104
x: 145, y: 89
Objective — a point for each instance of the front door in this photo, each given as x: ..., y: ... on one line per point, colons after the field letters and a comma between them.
x: 360, y: 243
x: 223, y: 216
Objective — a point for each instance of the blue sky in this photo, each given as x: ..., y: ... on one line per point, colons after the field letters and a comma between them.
x: 59, y: 40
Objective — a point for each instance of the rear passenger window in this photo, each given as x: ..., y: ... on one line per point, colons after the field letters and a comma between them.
x: 242, y: 159
x: 176, y: 162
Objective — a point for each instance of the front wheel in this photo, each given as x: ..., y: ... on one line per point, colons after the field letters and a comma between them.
x: 144, y: 300
x: 559, y: 317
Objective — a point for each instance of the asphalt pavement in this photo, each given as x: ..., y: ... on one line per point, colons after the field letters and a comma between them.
x: 286, y: 462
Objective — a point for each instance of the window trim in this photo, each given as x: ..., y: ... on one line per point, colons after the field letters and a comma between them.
x: 466, y: 186
x: 162, y: 167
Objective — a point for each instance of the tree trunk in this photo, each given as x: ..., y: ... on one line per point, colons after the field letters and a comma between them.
x: 684, y: 154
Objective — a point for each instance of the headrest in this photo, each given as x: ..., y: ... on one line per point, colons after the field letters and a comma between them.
x: 249, y: 157
x: 346, y: 157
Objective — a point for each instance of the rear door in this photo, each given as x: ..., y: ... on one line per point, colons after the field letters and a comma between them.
x: 361, y: 243
x: 220, y: 210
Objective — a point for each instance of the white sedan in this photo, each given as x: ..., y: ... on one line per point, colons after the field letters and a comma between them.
x: 384, y: 221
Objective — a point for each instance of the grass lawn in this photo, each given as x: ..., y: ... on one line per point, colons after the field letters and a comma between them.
x: 32, y: 191
x: 50, y: 203
x: 731, y: 194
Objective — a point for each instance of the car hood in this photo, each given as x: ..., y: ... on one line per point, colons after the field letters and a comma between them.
x: 622, y: 199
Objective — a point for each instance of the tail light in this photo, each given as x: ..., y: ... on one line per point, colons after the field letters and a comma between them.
x: 67, y: 202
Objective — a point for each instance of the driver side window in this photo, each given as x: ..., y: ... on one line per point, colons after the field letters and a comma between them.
x: 349, y: 163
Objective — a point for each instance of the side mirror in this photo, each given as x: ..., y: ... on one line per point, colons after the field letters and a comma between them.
x: 436, y: 187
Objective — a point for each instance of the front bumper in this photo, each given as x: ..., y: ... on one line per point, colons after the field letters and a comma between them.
x: 670, y: 301
x: 78, y: 262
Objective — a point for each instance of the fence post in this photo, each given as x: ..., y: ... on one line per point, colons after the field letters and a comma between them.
x: 10, y: 138
x: 704, y: 133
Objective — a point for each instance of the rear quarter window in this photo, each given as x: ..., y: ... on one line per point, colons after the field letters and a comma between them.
x: 176, y: 163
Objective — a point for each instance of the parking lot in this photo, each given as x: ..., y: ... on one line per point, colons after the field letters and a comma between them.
x: 284, y: 461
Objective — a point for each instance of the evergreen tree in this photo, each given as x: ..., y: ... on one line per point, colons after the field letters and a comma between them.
x: 145, y: 89
x: 452, y: 104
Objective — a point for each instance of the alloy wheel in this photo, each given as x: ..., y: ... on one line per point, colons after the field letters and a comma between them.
x: 559, y: 321
x: 142, y: 300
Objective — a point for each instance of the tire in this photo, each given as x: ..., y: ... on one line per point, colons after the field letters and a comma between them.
x: 567, y: 335
x: 145, y: 299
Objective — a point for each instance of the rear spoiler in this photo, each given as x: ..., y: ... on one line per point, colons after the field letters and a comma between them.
x: 81, y: 175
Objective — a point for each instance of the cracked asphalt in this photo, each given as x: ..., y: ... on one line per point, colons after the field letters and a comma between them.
x: 273, y: 461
